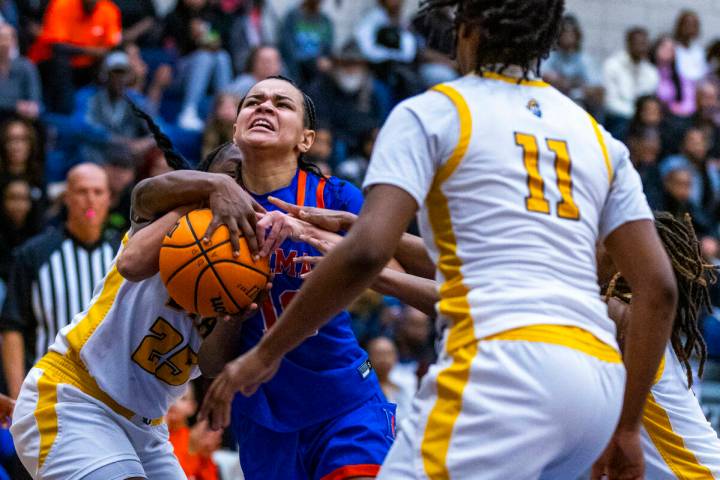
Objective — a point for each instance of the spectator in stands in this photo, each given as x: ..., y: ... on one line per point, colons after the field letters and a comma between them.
x: 21, y: 154
x: 264, y: 61
x: 121, y: 169
x: 677, y: 197
x: 9, y: 13
x: 54, y: 273
x: 348, y: 99
x: 192, y: 29
x: 154, y: 90
x: 386, y: 41
x: 645, y: 147
x: 30, y: 14
x: 713, y: 60
x: 248, y: 31
x: 322, y: 149
x: 139, y: 22
x: 705, y: 175
x: 383, y: 356
x: 707, y: 115
x: 110, y: 111
x: 691, y: 60
x: 572, y: 71
x: 383, y: 37
x: 675, y: 90
x: 627, y: 75
x: 20, y: 218
x: 306, y: 41
x: 415, y: 343
x: 193, y: 445
x: 75, y: 36
x: 220, y: 125
x: 20, y: 91
x: 353, y: 168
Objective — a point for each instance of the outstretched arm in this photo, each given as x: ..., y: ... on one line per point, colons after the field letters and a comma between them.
x: 639, y: 255
x: 347, y: 272
x: 230, y: 204
x: 410, y: 252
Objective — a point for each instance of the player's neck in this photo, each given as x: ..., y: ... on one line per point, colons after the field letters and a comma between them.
x: 266, y: 175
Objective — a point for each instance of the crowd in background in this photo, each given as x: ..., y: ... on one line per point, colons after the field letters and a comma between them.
x: 69, y: 70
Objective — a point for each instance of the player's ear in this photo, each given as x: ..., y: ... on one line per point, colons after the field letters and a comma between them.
x: 306, y: 141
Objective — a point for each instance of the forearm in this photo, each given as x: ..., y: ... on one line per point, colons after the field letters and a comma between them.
x: 417, y: 292
x: 13, y: 357
x: 413, y: 256
x: 648, y: 328
x: 221, y: 346
x: 140, y: 257
x: 158, y: 195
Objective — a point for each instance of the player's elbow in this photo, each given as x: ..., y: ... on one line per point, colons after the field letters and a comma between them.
x: 368, y: 255
x: 132, y: 265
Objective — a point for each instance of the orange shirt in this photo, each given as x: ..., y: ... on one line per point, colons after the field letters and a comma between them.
x: 65, y: 21
x: 195, y: 466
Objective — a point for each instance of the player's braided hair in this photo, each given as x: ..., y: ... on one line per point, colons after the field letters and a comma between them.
x: 693, y: 275
x: 173, y: 158
x: 513, y: 32
x: 309, y: 122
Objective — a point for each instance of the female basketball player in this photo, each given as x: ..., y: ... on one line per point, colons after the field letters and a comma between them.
x: 677, y: 439
x: 512, y: 223
x: 92, y: 407
x: 324, y: 415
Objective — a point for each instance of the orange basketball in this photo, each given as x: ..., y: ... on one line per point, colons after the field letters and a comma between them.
x: 205, y: 278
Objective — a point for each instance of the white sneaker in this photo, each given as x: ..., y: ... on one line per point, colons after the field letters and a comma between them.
x: 189, y: 120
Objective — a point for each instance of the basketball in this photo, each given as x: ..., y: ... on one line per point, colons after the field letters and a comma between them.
x: 205, y: 278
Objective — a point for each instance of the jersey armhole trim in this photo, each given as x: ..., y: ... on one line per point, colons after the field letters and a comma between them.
x: 445, y: 171
x: 603, y: 147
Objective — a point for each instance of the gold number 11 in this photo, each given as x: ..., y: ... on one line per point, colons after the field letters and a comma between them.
x: 536, y: 201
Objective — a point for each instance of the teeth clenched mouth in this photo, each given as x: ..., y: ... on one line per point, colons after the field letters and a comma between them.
x: 262, y: 123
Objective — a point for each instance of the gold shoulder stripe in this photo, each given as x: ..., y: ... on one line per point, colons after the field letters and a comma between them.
x: 603, y: 147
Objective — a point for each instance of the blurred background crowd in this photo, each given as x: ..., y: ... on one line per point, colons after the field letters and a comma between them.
x: 68, y: 67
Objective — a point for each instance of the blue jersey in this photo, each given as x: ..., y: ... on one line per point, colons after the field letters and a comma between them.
x: 328, y: 374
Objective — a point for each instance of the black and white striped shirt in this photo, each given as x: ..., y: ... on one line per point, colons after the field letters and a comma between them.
x: 51, y: 280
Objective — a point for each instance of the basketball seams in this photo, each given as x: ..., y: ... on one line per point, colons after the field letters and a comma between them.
x: 181, y: 267
x: 210, y: 265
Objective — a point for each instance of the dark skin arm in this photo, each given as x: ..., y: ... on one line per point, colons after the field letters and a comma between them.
x: 350, y: 268
x: 410, y: 253
x: 230, y: 204
x: 140, y: 257
x: 638, y: 253
x: 418, y: 292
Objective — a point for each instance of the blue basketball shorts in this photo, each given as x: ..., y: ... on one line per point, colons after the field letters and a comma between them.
x: 353, y: 444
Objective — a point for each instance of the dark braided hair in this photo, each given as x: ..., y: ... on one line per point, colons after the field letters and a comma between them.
x: 173, y: 158
x: 693, y: 275
x: 309, y: 122
x: 512, y: 32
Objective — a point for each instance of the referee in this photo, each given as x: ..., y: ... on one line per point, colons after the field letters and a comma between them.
x: 54, y: 274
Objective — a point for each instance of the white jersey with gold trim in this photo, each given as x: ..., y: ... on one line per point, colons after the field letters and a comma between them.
x: 516, y: 185
x: 139, y: 348
x: 678, y: 441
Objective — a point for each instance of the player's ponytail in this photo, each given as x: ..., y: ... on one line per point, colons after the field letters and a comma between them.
x: 173, y: 158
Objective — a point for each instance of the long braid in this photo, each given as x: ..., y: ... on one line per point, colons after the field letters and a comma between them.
x: 513, y: 32
x: 173, y: 158
x: 693, y: 275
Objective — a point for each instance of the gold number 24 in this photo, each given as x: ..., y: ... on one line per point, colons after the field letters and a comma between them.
x: 536, y: 201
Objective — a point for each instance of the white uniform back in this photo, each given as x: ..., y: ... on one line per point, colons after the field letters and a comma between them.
x: 523, y: 249
x: 138, y: 347
x: 678, y: 441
